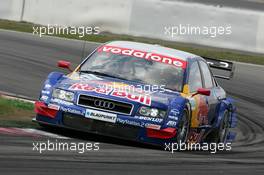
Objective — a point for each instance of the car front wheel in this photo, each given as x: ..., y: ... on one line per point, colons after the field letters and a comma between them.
x: 183, y: 128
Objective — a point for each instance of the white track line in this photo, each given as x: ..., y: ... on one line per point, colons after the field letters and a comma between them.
x: 29, y: 132
x: 43, y: 133
x: 8, y: 95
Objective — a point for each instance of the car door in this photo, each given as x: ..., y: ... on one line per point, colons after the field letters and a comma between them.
x: 209, y: 83
x: 199, y: 103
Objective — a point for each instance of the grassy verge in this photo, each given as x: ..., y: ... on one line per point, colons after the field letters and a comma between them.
x: 16, y: 113
x: 104, y: 37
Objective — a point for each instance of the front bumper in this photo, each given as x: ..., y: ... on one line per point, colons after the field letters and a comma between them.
x: 57, y: 117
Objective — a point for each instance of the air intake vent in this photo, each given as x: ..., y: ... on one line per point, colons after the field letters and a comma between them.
x: 105, y: 104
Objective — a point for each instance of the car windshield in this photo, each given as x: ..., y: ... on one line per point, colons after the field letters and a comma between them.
x: 136, y: 69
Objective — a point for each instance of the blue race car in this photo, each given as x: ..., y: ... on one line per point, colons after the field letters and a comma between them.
x: 142, y: 92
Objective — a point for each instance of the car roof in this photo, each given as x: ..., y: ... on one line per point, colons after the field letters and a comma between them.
x: 153, y: 48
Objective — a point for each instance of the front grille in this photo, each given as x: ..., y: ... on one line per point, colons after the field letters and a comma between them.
x: 105, y: 104
x: 96, y: 126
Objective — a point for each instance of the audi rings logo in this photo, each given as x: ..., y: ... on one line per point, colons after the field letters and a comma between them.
x: 104, y: 104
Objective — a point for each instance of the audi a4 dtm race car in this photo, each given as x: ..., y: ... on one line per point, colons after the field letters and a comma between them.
x: 142, y: 92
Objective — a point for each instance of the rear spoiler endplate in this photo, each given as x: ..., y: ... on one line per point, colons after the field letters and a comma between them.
x: 222, y: 65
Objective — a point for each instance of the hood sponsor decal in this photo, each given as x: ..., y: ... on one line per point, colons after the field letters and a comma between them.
x: 144, y: 99
x: 61, y: 102
x: 138, y: 123
x: 89, y: 88
x: 171, y: 123
x: 44, y: 98
x: 72, y: 110
x: 173, y: 117
x: 47, y: 86
x: 144, y: 55
x: 158, y: 120
x: 54, y: 106
x: 130, y: 122
x: 153, y: 126
x: 99, y: 115
x: 200, y: 110
x: 45, y: 92
x: 107, y: 90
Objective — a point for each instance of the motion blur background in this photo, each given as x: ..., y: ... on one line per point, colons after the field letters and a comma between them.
x: 26, y: 60
x: 148, y: 18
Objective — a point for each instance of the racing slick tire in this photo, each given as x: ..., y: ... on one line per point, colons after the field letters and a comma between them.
x: 184, y: 127
x: 219, y: 135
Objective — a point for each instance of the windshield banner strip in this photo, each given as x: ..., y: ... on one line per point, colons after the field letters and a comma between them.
x: 146, y: 55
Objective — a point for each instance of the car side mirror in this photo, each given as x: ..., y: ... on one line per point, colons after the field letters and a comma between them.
x: 64, y: 64
x: 202, y: 91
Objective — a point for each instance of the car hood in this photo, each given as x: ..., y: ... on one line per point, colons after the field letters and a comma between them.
x: 105, y: 87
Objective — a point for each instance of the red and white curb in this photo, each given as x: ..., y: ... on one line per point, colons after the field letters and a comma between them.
x: 29, y: 132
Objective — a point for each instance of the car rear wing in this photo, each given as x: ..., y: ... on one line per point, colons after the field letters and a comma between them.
x: 222, y: 65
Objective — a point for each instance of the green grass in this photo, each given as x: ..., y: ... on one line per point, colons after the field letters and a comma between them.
x: 16, y: 113
x: 18, y: 124
x: 7, y: 106
x: 104, y: 37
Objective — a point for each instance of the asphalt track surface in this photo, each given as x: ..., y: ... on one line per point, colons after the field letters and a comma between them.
x: 26, y: 60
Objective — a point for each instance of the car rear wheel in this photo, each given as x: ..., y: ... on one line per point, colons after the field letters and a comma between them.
x: 219, y: 135
x: 224, y: 128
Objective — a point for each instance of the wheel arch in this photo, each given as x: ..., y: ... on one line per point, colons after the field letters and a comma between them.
x: 226, y: 104
x: 177, y: 108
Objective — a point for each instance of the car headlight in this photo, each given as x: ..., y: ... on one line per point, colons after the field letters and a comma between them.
x: 152, y: 112
x: 63, y: 95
